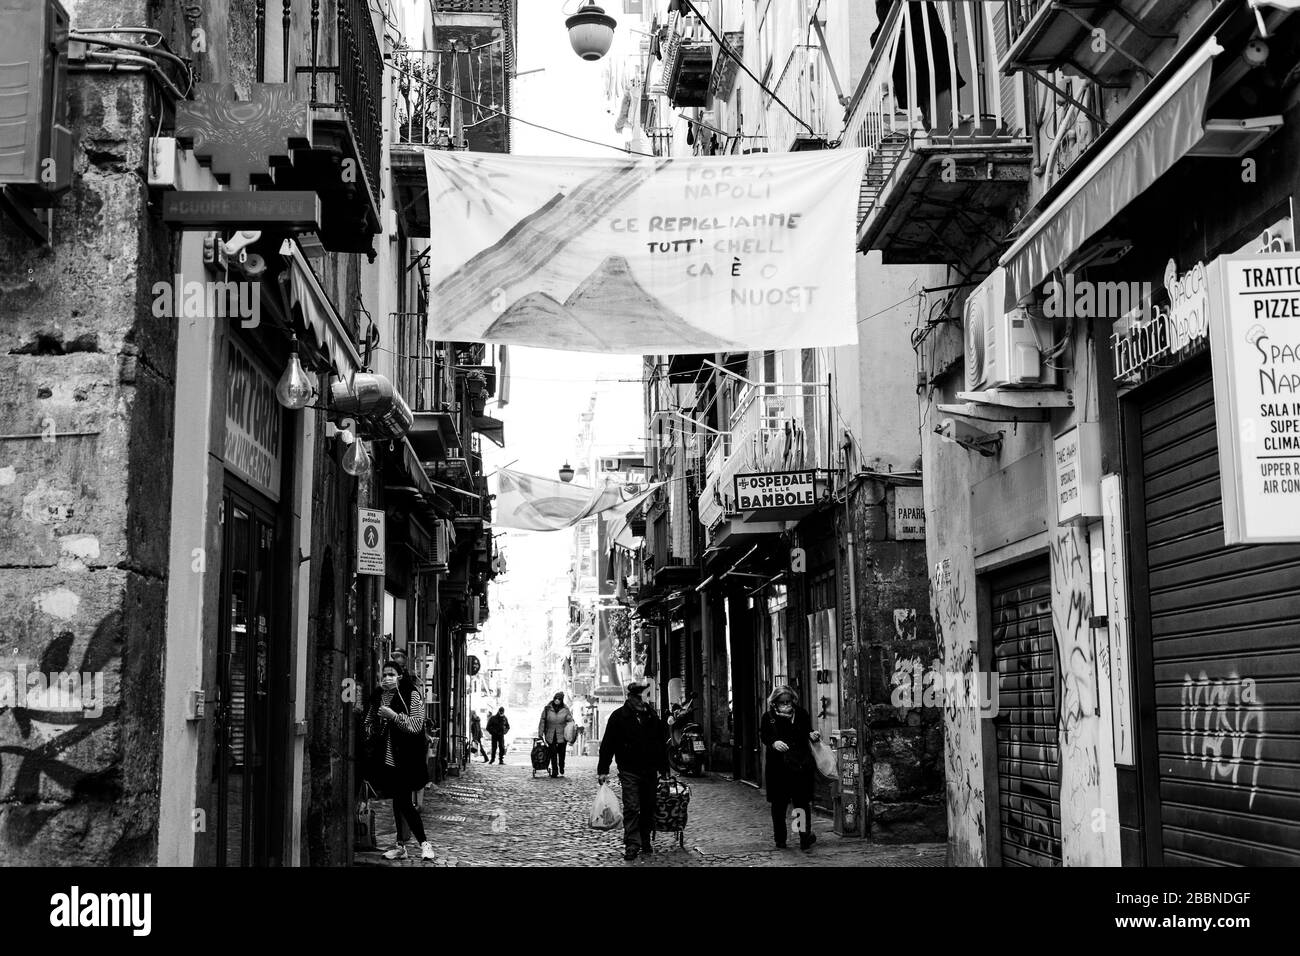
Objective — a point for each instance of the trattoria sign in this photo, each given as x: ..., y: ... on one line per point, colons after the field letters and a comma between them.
x: 254, y: 422
x: 1255, y: 348
x: 1143, y: 339
x: 782, y: 489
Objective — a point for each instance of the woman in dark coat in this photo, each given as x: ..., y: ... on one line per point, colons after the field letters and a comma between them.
x: 786, y: 732
x: 396, y: 751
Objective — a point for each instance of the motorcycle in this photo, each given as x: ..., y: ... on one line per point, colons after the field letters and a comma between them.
x: 685, y: 739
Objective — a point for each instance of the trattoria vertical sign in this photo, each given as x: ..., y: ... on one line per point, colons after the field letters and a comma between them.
x: 1255, y: 345
x: 254, y: 420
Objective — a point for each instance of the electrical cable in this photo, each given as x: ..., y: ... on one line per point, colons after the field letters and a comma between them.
x: 517, y: 119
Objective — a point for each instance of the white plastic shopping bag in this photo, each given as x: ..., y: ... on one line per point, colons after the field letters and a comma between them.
x: 606, y: 810
x: 825, y: 759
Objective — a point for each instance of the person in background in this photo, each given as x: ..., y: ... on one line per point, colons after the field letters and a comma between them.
x: 407, y: 682
x: 553, y: 729
x: 634, y: 738
x: 396, y: 753
x: 786, y: 731
x: 476, y: 735
x: 497, y: 728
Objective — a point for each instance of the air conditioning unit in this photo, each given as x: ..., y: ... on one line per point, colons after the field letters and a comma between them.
x: 1004, y: 346
x: 441, y: 545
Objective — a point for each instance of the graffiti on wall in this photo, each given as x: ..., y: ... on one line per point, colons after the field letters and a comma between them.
x: 1083, y: 817
x: 1223, y: 728
x: 963, y: 755
x: 43, y: 754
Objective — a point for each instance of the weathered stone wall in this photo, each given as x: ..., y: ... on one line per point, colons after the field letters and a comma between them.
x: 902, y: 747
x: 83, y: 558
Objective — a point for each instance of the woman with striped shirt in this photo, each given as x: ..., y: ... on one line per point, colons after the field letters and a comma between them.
x: 396, y: 752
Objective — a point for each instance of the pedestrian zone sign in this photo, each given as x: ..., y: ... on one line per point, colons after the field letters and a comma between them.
x: 370, y: 541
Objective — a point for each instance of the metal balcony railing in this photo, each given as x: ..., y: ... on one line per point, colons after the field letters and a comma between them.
x: 932, y: 78
x: 767, y: 434
x: 804, y: 85
x: 344, y: 67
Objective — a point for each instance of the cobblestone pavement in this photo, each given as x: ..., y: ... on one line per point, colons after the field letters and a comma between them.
x: 502, y: 816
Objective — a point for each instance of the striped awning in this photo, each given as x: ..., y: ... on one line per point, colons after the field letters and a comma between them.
x: 317, y: 313
x: 1160, y: 134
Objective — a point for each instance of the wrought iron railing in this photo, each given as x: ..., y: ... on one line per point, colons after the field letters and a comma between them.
x: 932, y: 77
x: 352, y: 83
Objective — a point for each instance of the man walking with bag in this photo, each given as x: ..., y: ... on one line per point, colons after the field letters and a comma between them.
x: 634, y: 738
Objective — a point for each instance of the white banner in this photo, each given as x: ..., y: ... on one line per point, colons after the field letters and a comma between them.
x: 530, y: 503
x: 645, y: 255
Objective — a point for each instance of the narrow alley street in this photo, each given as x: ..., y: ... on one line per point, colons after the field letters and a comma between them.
x: 503, y: 816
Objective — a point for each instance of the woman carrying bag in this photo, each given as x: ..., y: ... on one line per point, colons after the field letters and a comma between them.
x: 556, y: 727
x: 786, y: 731
x: 396, y: 753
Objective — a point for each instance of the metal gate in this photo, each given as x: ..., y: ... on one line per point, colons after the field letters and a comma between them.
x: 1029, y: 758
x: 1225, y: 653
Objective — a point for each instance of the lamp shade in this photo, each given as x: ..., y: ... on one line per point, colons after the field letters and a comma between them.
x: 591, y: 31
x: 566, y: 473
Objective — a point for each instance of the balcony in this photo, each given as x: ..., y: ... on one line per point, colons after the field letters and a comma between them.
x: 803, y: 85
x: 1051, y: 35
x: 688, y: 62
x: 767, y: 435
x: 338, y: 70
x: 948, y: 155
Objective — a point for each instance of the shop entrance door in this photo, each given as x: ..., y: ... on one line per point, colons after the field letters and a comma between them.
x: 1029, y: 758
x: 249, y: 697
x: 1219, y: 673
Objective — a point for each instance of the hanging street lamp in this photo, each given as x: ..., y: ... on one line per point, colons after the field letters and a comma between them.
x: 591, y: 31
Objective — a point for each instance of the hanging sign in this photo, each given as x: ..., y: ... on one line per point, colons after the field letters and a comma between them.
x: 1255, y: 335
x: 645, y: 255
x: 775, y: 490
x: 370, y: 541
x: 253, y: 422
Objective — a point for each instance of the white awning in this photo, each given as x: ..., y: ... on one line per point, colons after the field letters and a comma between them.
x: 319, y: 314
x: 1159, y: 135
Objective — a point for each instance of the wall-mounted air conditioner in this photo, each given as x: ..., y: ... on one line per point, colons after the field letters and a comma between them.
x: 441, y: 544
x: 1004, y: 345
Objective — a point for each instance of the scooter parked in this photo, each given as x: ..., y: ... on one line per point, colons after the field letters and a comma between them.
x: 685, y: 739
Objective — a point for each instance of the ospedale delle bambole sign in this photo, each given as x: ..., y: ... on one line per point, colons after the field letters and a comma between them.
x: 781, y: 489
x: 1255, y: 349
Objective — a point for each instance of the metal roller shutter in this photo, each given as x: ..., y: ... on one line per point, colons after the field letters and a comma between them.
x: 1029, y: 758
x: 1225, y: 634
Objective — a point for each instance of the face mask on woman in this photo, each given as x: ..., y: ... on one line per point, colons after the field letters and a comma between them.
x: 785, y: 707
x: 388, y: 681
